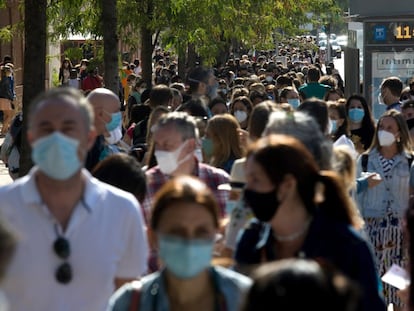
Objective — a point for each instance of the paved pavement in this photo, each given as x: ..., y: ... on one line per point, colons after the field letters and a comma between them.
x: 4, y: 173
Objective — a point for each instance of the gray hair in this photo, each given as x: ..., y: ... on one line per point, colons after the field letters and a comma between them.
x: 64, y: 94
x: 304, y: 128
x: 182, y: 121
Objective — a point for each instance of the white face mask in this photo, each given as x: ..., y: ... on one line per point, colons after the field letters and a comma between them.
x: 240, y: 115
x: 168, y: 160
x: 114, y: 136
x: 385, y: 138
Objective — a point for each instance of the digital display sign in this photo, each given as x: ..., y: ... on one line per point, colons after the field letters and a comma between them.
x: 396, y: 32
x: 404, y: 32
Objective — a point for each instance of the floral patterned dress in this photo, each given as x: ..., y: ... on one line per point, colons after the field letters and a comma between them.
x: 387, y: 239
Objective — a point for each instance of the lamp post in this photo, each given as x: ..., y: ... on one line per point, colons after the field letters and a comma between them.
x: 328, y: 43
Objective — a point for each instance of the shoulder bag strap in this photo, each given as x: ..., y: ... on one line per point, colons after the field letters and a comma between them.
x: 136, y: 296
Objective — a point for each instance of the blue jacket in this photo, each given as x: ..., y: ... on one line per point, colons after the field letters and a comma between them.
x: 327, y: 241
x: 373, y: 202
x: 229, y: 285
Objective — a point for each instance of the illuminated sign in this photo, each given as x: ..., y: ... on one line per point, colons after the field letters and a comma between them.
x: 379, y: 33
x: 404, y: 32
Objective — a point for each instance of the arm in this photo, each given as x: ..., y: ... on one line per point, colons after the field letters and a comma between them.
x: 133, y: 262
x: 369, y: 279
x: 366, y: 182
x: 411, y: 182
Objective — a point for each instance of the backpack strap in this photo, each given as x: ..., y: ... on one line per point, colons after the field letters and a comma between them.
x: 135, y: 296
x: 364, y: 162
x: 410, y: 159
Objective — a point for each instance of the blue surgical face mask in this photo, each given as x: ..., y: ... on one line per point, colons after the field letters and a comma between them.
x: 116, y: 119
x: 212, y: 90
x: 223, y: 91
x: 230, y: 206
x: 56, y: 155
x: 294, y: 102
x: 334, y: 126
x: 356, y: 114
x: 185, y: 258
x: 207, y: 145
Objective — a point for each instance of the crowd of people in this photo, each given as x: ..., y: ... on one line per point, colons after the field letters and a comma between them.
x: 254, y: 185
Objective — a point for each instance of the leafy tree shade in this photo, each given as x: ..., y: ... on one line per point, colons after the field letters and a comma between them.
x: 208, y: 27
x: 34, y: 75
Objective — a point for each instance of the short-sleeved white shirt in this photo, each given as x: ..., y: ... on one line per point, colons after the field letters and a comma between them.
x: 107, y: 237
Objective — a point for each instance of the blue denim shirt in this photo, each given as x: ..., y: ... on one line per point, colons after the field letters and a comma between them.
x: 373, y: 202
x: 154, y: 297
x: 326, y: 241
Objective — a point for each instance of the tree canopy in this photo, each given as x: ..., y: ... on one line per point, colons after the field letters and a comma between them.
x: 210, y: 26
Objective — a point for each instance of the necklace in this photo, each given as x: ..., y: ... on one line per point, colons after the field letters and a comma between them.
x: 295, y: 235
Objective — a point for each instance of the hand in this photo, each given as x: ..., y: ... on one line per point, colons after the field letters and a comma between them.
x: 243, y: 138
x: 374, y: 180
x: 403, y: 294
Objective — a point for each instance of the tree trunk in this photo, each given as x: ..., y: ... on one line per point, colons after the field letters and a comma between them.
x: 34, y: 75
x: 182, y: 60
x: 110, y: 38
x: 146, y: 55
x: 192, y: 56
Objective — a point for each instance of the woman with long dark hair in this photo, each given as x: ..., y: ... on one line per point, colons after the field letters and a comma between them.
x: 64, y: 72
x: 302, y: 212
x: 361, y: 122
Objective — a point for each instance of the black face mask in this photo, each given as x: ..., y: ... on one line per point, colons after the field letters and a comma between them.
x: 410, y: 123
x: 264, y: 205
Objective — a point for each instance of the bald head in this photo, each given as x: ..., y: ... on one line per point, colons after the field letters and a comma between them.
x: 104, y: 103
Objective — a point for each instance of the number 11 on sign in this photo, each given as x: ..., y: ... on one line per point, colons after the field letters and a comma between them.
x: 403, y: 32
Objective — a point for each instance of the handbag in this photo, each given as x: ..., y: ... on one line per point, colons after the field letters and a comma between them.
x: 135, y: 296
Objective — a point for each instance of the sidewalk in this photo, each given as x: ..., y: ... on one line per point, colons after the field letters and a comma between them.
x: 4, y: 173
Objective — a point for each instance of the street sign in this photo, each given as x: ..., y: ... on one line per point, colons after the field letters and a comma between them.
x: 380, y: 33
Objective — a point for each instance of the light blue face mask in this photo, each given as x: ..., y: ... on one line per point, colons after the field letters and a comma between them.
x: 207, y: 145
x: 185, y: 258
x: 230, y: 206
x: 56, y: 155
x: 294, y: 102
x: 212, y: 90
x: 356, y: 114
x: 116, y: 119
x: 334, y: 126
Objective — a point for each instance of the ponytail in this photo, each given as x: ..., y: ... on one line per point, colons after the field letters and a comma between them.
x: 336, y: 203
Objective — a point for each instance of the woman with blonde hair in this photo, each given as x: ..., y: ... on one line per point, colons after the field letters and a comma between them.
x: 383, y: 206
x: 221, y: 146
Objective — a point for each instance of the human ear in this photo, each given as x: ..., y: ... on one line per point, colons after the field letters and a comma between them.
x: 91, y: 138
x: 287, y: 187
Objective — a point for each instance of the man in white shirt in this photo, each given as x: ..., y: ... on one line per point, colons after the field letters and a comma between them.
x: 79, y: 239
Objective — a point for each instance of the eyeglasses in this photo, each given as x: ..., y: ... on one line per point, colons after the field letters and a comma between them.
x: 63, y: 273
